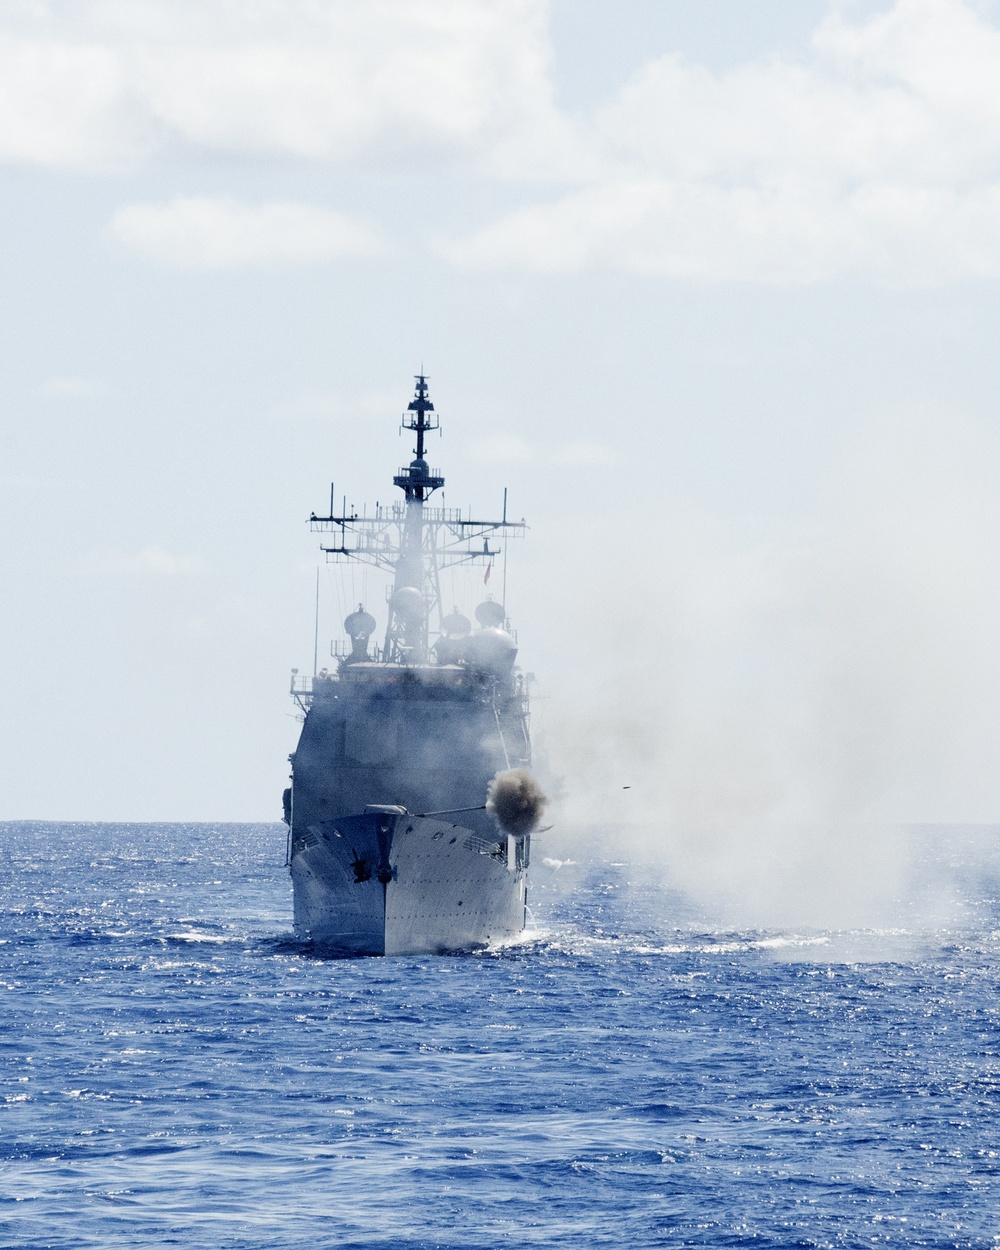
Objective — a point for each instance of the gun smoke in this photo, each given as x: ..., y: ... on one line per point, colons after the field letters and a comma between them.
x: 516, y: 800
x: 786, y: 697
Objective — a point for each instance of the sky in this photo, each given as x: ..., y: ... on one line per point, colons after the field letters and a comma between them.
x: 712, y: 288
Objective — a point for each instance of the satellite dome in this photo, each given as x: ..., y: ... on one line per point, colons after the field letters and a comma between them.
x: 408, y: 603
x: 490, y: 614
x: 359, y: 624
x: 491, y: 651
x: 455, y: 625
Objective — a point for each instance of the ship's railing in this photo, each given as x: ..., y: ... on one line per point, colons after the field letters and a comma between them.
x: 343, y: 650
x: 300, y: 688
x: 304, y: 689
x: 395, y: 512
x: 442, y: 514
x: 370, y: 541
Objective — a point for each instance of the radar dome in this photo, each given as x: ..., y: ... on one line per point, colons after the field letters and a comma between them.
x: 455, y: 625
x: 491, y: 614
x: 408, y: 603
x: 491, y: 651
x: 360, y: 624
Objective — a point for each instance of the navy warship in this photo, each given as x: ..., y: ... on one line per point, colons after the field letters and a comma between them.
x: 410, y: 809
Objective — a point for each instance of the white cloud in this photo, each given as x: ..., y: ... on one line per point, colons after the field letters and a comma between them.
x: 787, y: 234
x: 64, y: 103
x: 880, y: 156
x: 317, y: 79
x: 202, y: 232
x: 876, y: 153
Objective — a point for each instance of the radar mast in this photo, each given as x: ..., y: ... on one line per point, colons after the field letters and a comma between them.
x: 413, y: 541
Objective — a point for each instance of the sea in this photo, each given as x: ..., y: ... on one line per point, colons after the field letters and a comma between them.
x: 178, y: 1071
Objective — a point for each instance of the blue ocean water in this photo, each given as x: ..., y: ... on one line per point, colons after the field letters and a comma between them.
x: 177, y: 1071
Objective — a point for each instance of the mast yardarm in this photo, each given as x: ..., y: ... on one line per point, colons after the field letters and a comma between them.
x: 413, y: 541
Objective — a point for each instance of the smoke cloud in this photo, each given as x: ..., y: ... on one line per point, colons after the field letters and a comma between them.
x: 516, y: 799
x: 764, y: 708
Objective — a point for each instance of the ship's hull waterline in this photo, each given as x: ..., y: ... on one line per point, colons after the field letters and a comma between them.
x: 391, y: 883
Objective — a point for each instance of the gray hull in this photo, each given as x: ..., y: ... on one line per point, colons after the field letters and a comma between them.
x: 426, y: 722
x: 397, y: 884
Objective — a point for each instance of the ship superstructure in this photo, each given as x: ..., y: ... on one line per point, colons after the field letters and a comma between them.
x: 392, y: 847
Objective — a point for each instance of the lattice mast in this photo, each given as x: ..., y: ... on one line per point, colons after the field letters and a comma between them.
x: 413, y: 541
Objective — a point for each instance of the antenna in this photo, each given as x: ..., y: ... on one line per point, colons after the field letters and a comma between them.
x: 503, y: 592
x: 416, y: 481
x: 413, y: 542
x: 316, y: 631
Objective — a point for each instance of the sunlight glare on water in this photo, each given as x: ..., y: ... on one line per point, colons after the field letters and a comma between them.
x: 177, y: 1070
